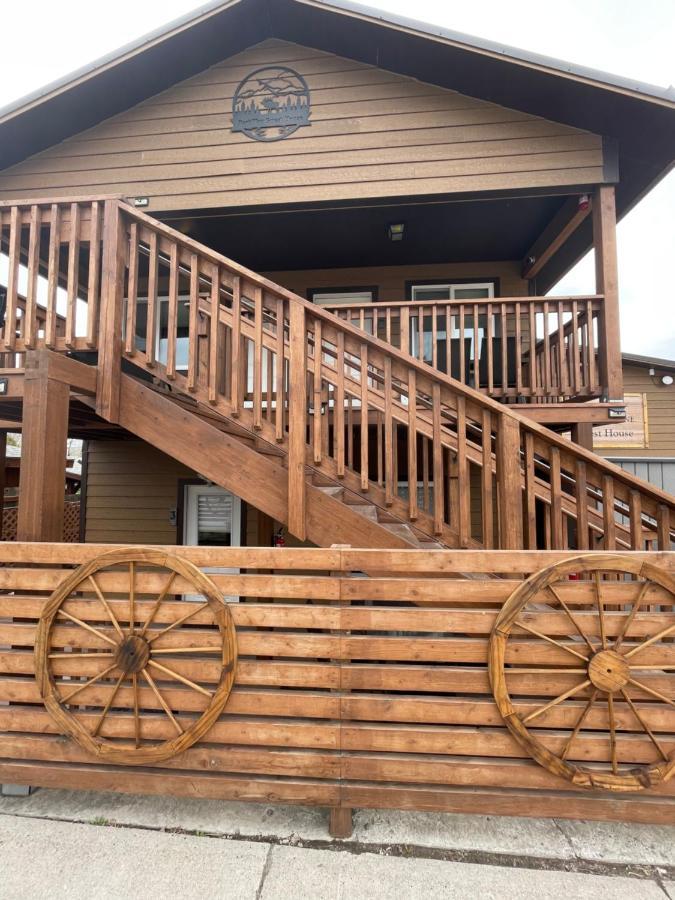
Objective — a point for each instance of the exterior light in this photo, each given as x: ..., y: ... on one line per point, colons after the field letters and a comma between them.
x: 584, y: 202
x: 141, y: 201
x: 396, y: 231
x: 667, y: 379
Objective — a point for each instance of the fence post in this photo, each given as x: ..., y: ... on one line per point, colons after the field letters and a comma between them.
x: 509, y: 484
x: 297, y: 420
x: 110, y: 324
x: 340, y: 823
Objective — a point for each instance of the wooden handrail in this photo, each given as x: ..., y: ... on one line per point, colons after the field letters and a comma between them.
x: 335, y: 400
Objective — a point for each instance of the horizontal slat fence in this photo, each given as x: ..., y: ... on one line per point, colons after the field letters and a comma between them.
x: 362, y: 682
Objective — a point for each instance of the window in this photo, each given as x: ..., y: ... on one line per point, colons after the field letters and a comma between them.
x: 342, y: 296
x: 480, y: 290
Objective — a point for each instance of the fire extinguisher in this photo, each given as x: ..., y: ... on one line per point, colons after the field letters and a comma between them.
x: 279, y: 539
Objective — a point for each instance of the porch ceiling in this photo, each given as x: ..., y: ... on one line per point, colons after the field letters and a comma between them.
x: 324, y: 238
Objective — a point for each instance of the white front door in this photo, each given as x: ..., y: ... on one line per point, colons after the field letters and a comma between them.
x: 212, y: 519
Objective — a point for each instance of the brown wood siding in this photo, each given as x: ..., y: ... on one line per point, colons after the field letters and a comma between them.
x: 660, y: 415
x: 131, y: 490
x: 391, y: 280
x: 373, y: 134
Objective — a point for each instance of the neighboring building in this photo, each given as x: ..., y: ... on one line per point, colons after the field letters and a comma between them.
x: 644, y: 444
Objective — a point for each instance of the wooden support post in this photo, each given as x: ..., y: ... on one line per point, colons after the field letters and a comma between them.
x: 112, y: 298
x: 340, y: 824
x: 297, y: 421
x: 582, y: 434
x: 607, y: 283
x: 43, y: 452
x: 509, y: 484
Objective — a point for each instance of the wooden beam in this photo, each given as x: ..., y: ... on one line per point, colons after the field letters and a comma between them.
x: 110, y: 331
x: 43, y: 453
x: 565, y: 222
x: 607, y: 283
x: 582, y: 434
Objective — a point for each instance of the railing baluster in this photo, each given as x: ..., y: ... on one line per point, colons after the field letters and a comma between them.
x: 581, y: 502
x: 463, y: 484
x: 532, y: 349
x: 215, y: 354
x: 389, y: 475
x: 592, y: 368
x: 340, y: 405
x: 663, y: 524
x: 530, y: 493
x: 73, y: 282
x: 608, y: 517
x: 556, y: 499
x: 412, y: 445
x: 405, y: 330
x: 547, y: 353
x: 561, y: 349
x: 151, y: 328
x: 172, y: 318
x: 94, y: 275
x: 434, y: 337
x: 462, y: 346
x: 476, y: 348
x: 317, y: 421
x: 30, y: 328
x: 448, y: 338
x: 635, y: 518
x: 193, y: 326
x: 364, y: 418
x: 487, y: 511
x: 257, y: 358
x: 519, y: 358
x: 505, y: 348
x: 52, y: 275
x: 132, y: 292
x: 237, y: 354
x: 279, y: 373
x: 437, y: 451
x: 14, y: 252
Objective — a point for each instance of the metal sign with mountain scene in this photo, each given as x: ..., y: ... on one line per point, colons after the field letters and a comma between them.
x: 270, y: 104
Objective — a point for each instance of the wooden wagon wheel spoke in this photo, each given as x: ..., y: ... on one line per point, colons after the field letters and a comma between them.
x: 611, y: 672
x: 578, y: 628
x: 87, y: 684
x: 158, y: 602
x: 550, y: 640
x: 644, y: 725
x: 106, y: 606
x: 148, y: 677
x: 628, y: 621
x: 89, y: 628
x: 178, y: 623
x: 559, y: 699
x: 129, y: 654
x: 580, y: 721
x: 177, y: 677
x: 106, y: 708
x: 601, y: 611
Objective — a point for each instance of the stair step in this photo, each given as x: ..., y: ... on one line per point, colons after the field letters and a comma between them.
x: 367, y: 510
x: 333, y: 490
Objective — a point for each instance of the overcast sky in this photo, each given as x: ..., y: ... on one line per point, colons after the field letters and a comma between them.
x: 43, y: 40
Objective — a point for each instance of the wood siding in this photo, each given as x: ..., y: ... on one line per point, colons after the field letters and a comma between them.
x: 373, y: 134
x: 660, y: 415
x: 132, y: 489
x: 390, y: 281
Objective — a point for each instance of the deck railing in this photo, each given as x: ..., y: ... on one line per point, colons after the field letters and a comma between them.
x: 332, y: 398
x: 517, y: 349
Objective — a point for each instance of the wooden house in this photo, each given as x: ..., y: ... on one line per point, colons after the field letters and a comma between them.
x: 285, y: 266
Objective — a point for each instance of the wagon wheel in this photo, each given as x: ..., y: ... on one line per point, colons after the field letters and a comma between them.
x: 575, y: 666
x: 132, y: 674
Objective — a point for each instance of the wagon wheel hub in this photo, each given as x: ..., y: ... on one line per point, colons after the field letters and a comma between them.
x: 608, y: 671
x: 132, y: 654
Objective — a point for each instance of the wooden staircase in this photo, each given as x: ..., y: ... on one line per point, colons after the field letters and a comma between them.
x: 338, y: 434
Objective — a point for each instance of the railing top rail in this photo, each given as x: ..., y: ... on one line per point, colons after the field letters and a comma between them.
x: 48, y: 201
x: 433, y: 375
x: 480, y: 301
x: 347, y: 559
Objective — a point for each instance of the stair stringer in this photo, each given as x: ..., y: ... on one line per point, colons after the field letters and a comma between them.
x: 226, y: 461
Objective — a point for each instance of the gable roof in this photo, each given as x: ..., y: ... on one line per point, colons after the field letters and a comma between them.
x: 637, y: 120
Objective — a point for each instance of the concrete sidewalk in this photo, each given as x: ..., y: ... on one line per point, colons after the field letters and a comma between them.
x: 66, y: 844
